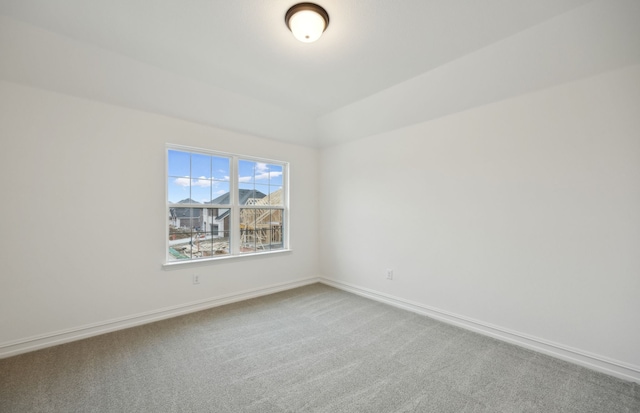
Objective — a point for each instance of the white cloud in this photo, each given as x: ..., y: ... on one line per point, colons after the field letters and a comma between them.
x: 201, y: 181
x: 267, y: 175
x: 262, y: 172
x: 182, y: 181
x: 185, y: 181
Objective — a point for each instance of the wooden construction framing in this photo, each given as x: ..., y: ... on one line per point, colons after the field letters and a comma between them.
x: 260, y: 228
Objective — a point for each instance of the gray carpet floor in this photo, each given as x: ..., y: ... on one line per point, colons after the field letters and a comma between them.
x: 311, y: 349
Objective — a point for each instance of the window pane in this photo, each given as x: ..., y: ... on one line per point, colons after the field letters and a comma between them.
x: 247, y: 230
x: 220, y: 192
x: 277, y: 229
x: 220, y: 246
x: 218, y: 227
x: 248, y: 195
x: 179, y: 163
x: 218, y: 223
x: 246, y: 171
x: 198, y: 232
x: 256, y: 197
x: 247, y: 218
x: 184, y: 219
x: 275, y: 197
x: 207, y: 243
x: 261, y: 229
x: 178, y: 189
x: 261, y: 194
x: 261, y: 178
x: 201, y: 190
x: 179, y: 252
x: 264, y: 239
x: 199, y: 244
x: 261, y: 172
x: 200, y: 166
x: 275, y: 174
x: 220, y: 168
x: 180, y: 220
x: 249, y: 186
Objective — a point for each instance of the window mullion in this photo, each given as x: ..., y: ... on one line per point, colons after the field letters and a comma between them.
x: 235, y: 208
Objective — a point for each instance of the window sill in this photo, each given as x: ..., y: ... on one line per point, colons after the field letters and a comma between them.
x: 174, y: 265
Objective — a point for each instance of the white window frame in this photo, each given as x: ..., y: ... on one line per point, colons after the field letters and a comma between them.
x: 234, y: 206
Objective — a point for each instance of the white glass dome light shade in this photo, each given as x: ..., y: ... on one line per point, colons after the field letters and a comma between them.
x: 306, y: 26
x: 307, y: 21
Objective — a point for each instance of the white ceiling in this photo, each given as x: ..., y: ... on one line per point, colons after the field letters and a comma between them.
x: 244, y: 47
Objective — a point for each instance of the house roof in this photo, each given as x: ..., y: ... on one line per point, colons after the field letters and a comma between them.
x: 185, y: 212
x: 188, y: 201
x: 244, y: 195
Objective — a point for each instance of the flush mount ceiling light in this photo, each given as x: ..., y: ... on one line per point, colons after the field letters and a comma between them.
x: 307, y: 21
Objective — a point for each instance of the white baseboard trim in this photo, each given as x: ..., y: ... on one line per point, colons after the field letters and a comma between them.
x: 596, y: 362
x: 13, y: 348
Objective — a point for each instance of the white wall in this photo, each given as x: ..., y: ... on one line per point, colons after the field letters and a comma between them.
x: 522, y: 215
x: 83, y: 215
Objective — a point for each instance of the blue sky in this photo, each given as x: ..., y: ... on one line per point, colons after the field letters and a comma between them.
x: 204, y: 177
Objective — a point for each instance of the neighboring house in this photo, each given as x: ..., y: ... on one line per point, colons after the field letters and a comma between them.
x: 245, y: 195
x: 210, y: 220
x: 185, y: 217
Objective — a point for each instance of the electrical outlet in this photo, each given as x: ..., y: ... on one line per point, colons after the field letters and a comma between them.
x: 196, y: 279
x: 389, y: 274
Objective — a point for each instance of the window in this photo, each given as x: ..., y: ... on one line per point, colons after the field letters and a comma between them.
x: 224, y: 205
